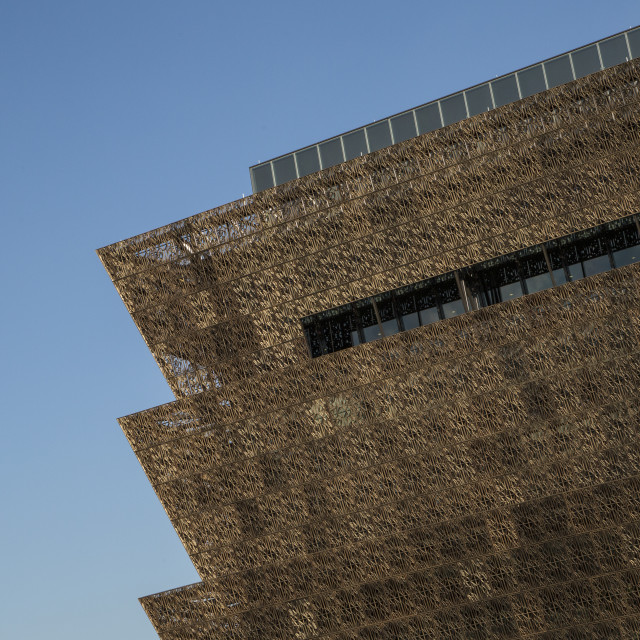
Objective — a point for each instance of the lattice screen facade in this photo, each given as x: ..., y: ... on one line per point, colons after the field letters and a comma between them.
x: 474, y: 478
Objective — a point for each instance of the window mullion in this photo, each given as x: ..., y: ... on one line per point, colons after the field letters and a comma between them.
x: 549, y: 266
x: 375, y: 310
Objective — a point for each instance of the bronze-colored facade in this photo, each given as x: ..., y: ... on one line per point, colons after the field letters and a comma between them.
x: 473, y: 478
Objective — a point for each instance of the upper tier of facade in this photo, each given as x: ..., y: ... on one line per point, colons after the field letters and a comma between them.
x: 472, y: 477
x: 436, y: 114
x: 436, y: 203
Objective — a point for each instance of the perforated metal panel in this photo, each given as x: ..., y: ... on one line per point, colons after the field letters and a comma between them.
x: 473, y: 478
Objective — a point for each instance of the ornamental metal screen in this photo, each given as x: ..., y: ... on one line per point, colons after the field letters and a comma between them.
x: 475, y: 477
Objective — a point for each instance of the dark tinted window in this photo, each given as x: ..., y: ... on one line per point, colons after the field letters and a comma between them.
x: 355, y: 144
x: 505, y: 90
x: 308, y: 161
x: 634, y: 42
x: 625, y: 245
x: 403, y: 127
x: 388, y: 314
x: 558, y: 71
x: 479, y: 99
x: 586, y: 61
x: 453, y: 109
x: 573, y: 257
x: 262, y: 177
x: 285, y: 169
x: 330, y: 153
x: 614, y: 51
x: 531, y: 81
x: 379, y: 135
x: 428, y: 118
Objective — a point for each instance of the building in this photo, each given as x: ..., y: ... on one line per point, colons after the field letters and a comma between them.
x: 406, y: 376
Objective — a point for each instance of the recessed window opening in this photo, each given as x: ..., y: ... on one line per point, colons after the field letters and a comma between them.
x: 579, y: 255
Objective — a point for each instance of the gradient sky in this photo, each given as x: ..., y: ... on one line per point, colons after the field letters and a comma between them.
x: 118, y: 117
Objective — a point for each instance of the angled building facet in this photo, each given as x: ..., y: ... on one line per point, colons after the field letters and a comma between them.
x: 406, y: 373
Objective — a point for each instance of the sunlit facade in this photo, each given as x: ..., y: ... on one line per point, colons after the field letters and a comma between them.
x: 406, y: 374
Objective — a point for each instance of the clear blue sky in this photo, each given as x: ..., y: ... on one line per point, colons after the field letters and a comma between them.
x: 117, y: 117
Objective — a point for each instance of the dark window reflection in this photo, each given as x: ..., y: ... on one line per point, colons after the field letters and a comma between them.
x: 558, y: 71
x: 528, y: 271
x: 403, y: 127
x: 625, y: 245
x: 449, y: 299
x: 388, y: 315
x: 367, y: 322
x: 479, y: 99
x: 614, y: 51
x: 508, y: 277
x: 262, y: 177
x: 505, y: 90
x: 634, y: 42
x: 586, y: 61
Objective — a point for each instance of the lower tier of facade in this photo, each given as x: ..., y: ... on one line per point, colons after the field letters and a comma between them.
x: 477, y: 477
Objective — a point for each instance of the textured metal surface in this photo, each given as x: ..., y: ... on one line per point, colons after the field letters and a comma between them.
x: 476, y: 478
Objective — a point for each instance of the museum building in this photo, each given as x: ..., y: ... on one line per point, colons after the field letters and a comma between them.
x: 406, y: 372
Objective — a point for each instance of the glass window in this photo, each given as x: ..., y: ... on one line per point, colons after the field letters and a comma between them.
x: 284, y: 169
x: 575, y: 271
x: 634, y: 42
x: 479, y: 99
x: 379, y: 135
x: 385, y: 306
x: 586, y: 61
x: 427, y: 316
x: 498, y: 280
x: 531, y: 81
x: 330, y: 153
x: 558, y: 71
x: 591, y: 245
x: 390, y: 327
x: 371, y: 333
x: 368, y: 321
x: 559, y: 276
x: 387, y: 311
x: 538, y: 283
x: 448, y: 296
x: 562, y: 254
x: 596, y: 265
x: 572, y: 257
x: 453, y: 109
x: 510, y: 291
x: 625, y: 243
x: 261, y: 177
x: 403, y: 127
x: 505, y: 90
x: 532, y: 262
x: 410, y: 321
x: 323, y: 338
x: 453, y: 308
x: 341, y: 331
x: 534, y: 270
x: 355, y: 144
x: 614, y: 51
x: 623, y: 236
x: 405, y: 301
x: 428, y: 118
x: 308, y: 161
x: 626, y: 256
x: 407, y: 310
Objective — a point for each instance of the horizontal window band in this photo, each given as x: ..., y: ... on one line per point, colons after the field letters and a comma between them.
x: 536, y: 268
